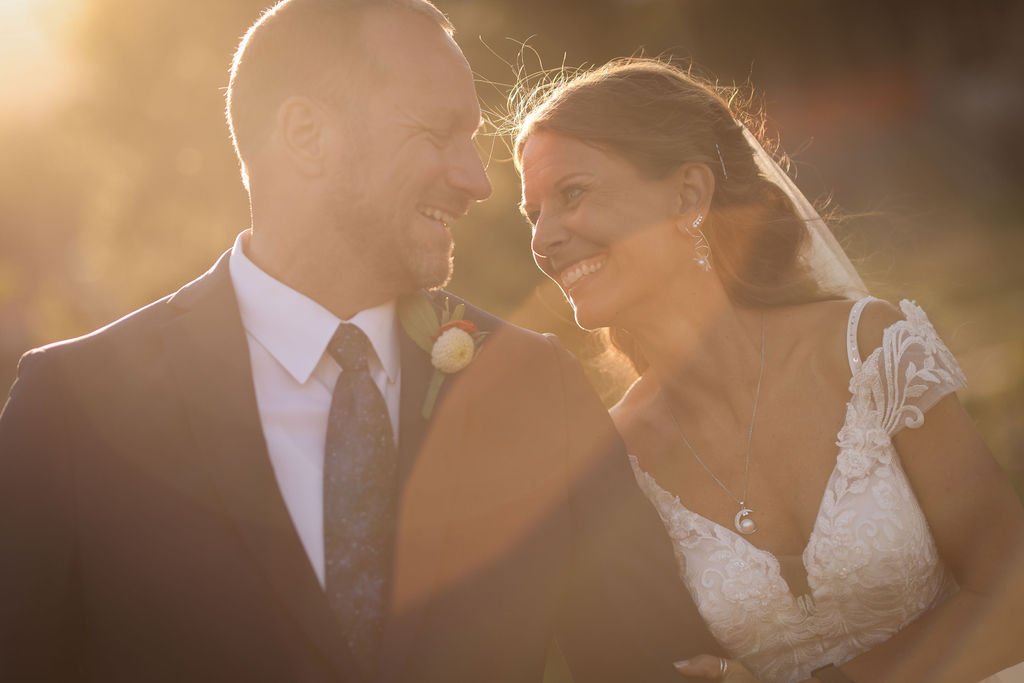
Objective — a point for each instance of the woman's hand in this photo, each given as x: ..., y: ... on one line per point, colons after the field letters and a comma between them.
x: 715, y: 669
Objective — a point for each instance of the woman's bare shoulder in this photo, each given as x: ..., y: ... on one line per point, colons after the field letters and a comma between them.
x: 815, y: 337
x: 877, y: 317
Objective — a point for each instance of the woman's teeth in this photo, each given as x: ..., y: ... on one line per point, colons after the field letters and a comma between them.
x: 573, y: 274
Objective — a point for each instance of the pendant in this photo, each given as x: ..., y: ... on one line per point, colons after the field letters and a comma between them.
x: 743, y: 521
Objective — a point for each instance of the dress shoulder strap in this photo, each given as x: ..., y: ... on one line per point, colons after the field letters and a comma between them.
x: 852, y: 326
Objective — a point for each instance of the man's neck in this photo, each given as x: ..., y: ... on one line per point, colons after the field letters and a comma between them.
x: 341, y: 285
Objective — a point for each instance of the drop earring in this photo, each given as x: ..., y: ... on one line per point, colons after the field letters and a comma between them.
x: 700, y: 246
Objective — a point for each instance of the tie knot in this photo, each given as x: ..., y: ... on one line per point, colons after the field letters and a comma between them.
x: 349, y: 347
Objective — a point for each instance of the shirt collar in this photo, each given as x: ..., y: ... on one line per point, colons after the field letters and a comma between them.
x: 294, y: 329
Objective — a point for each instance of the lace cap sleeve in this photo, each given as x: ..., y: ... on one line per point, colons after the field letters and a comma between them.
x: 910, y: 372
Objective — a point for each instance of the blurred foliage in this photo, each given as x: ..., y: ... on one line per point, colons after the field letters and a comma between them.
x: 908, y: 113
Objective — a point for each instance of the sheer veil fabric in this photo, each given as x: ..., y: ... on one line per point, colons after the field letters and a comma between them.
x: 824, y: 257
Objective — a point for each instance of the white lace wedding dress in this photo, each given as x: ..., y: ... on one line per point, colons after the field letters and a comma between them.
x: 871, y: 562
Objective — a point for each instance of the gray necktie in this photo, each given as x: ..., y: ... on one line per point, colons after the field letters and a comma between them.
x: 360, y: 488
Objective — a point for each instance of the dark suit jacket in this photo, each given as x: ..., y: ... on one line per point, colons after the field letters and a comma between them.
x: 143, y: 536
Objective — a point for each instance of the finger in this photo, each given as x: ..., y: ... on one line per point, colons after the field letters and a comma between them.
x: 701, y: 666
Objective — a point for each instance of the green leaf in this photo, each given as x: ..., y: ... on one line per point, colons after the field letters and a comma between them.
x: 446, y: 312
x: 419, y: 320
x: 460, y: 312
x: 432, y: 390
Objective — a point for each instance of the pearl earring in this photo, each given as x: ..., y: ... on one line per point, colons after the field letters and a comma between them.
x: 700, y: 246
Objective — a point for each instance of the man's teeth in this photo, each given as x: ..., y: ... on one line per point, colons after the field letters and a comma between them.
x: 437, y: 215
x: 574, y: 274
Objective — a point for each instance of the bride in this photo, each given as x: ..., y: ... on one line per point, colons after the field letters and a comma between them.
x: 834, y: 512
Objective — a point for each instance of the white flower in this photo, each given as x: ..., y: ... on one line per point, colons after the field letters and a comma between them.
x: 854, y: 464
x: 885, y: 494
x: 841, y: 554
x: 861, y: 448
x: 869, y: 439
x: 453, y: 350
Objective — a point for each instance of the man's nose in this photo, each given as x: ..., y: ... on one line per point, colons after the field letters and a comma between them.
x: 467, y: 173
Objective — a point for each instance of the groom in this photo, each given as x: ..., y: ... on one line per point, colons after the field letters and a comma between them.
x: 262, y: 477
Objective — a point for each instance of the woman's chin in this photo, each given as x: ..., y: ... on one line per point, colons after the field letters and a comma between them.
x: 590, y: 317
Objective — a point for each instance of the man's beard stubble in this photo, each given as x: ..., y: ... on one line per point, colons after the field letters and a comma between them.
x: 425, y: 266
x: 395, y: 253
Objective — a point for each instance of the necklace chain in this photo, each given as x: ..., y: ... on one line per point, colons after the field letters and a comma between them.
x: 750, y: 436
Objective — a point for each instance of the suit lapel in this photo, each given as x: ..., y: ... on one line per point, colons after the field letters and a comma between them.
x: 429, y: 452
x: 416, y: 372
x: 208, y: 353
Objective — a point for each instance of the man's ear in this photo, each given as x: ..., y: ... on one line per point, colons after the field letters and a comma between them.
x: 695, y: 186
x: 301, y: 130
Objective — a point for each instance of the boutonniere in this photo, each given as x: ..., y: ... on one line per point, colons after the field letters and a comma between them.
x: 451, y: 342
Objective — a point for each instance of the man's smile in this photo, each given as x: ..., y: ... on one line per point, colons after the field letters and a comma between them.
x: 445, y: 218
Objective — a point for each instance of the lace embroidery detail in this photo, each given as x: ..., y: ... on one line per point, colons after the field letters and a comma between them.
x: 914, y: 369
x: 872, y: 565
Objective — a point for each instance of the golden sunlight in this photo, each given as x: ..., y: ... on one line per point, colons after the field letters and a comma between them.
x: 34, y: 69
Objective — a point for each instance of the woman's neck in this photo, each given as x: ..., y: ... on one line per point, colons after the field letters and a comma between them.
x: 702, y: 349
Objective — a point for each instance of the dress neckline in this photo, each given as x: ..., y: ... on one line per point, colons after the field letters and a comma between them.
x: 772, y: 558
x: 856, y: 368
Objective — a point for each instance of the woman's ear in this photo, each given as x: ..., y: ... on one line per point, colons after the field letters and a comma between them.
x: 301, y: 133
x: 695, y: 186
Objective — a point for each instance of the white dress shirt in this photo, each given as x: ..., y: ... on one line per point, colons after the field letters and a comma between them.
x: 294, y: 379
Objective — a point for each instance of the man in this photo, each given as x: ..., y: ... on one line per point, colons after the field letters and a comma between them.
x: 253, y: 479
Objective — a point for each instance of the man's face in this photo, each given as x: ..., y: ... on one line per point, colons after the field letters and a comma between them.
x: 406, y: 166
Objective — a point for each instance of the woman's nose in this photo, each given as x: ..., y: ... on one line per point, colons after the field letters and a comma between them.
x: 549, y: 238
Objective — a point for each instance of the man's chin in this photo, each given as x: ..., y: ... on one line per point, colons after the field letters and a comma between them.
x: 433, y: 273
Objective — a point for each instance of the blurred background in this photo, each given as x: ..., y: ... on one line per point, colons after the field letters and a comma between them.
x: 118, y: 182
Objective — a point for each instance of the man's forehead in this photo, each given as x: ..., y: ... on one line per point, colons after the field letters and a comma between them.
x: 404, y: 39
x: 416, y: 70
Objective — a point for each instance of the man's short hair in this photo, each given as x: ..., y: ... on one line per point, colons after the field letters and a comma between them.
x: 301, y: 47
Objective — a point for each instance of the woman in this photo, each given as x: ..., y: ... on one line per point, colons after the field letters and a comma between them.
x: 899, y: 559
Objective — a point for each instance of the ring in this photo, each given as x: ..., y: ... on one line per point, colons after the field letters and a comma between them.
x: 723, y: 667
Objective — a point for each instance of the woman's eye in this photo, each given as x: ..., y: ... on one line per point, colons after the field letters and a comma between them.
x: 571, y: 193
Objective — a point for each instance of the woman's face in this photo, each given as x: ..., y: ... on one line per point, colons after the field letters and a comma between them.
x: 606, y: 234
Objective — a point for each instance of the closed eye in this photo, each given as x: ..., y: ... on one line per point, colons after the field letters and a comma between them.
x: 439, y: 137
